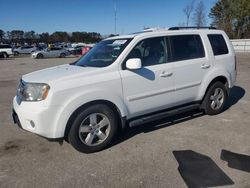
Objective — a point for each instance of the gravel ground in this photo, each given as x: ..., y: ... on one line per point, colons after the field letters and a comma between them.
x: 140, y: 157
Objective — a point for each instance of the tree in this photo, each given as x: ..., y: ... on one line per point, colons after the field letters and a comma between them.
x: 2, y: 33
x: 17, y: 36
x: 59, y: 36
x: 30, y: 36
x: 188, y: 9
x: 232, y: 16
x: 44, y: 37
x: 91, y: 37
x: 222, y: 16
x: 199, y: 17
x: 241, y: 10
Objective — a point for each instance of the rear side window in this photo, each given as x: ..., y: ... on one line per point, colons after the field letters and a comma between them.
x: 218, y: 44
x: 184, y: 47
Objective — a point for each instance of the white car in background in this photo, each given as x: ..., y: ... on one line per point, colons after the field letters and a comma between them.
x: 50, y: 53
x: 24, y: 50
x: 6, y: 50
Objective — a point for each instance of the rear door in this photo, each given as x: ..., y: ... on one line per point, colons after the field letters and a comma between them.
x: 190, y: 66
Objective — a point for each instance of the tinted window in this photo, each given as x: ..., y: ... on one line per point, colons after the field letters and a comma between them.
x: 5, y: 46
x: 184, y: 47
x: 218, y: 44
x: 151, y: 51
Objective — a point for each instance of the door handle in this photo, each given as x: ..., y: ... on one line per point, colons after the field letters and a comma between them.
x: 166, y: 74
x: 205, y: 66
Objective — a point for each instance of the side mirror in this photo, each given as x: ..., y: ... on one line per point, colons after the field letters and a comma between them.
x: 133, y: 63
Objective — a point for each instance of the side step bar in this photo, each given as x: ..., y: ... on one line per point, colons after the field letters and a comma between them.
x: 162, y: 115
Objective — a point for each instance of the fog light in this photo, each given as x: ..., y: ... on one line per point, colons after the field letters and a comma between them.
x: 32, y: 124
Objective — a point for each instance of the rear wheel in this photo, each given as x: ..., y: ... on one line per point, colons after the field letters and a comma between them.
x: 39, y: 56
x: 93, y: 129
x: 215, y: 99
x: 62, y: 55
x: 16, y: 53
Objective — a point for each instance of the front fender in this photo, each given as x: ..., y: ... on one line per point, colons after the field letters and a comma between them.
x: 80, y: 99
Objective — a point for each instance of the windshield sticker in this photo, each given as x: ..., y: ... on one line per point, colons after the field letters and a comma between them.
x: 119, y: 42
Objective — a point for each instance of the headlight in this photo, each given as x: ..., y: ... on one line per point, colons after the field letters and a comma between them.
x: 32, y: 91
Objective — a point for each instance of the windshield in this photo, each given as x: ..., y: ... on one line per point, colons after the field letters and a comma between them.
x: 104, y: 53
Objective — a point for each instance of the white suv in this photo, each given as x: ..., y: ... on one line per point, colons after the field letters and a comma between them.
x: 127, y: 80
x: 6, y: 50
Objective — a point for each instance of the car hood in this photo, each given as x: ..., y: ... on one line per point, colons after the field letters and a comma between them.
x: 58, y: 73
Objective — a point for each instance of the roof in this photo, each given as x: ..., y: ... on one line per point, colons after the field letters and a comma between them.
x: 173, y: 30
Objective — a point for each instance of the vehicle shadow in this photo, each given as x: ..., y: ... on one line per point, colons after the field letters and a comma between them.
x: 198, y: 170
x: 9, y: 58
x: 237, y: 93
x: 149, y: 127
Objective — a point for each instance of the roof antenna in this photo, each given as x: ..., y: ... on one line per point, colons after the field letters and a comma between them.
x: 115, y: 10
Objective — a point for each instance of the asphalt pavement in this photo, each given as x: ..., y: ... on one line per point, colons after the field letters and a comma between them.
x: 191, y: 149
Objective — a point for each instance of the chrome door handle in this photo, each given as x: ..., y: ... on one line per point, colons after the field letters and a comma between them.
x: 166, y: 74
x: 205, y: 66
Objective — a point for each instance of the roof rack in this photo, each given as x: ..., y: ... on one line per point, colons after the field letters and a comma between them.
x: 193, y: 27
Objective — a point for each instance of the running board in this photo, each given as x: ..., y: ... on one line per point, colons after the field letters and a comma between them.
x: 162, y: 115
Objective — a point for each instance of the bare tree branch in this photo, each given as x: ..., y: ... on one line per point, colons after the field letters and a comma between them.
x: 188, y: 9
x: 199, y: 17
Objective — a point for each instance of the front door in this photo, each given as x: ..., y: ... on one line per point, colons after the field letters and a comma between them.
x: 150, y: 88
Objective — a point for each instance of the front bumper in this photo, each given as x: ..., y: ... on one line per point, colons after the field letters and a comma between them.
x: 37, y: 119
x: 33, y: 55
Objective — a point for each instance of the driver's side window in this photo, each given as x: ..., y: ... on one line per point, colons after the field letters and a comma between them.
x: 151, y: 51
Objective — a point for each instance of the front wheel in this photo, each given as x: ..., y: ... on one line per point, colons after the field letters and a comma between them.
x: 215, y: 99
x: 93, y: 129
x: 39, y: 56
x: 5, y: 55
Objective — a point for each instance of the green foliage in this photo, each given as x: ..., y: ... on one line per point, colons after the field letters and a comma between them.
x: 233, y: 16
x: 19, y: 36
x: 2, y: 33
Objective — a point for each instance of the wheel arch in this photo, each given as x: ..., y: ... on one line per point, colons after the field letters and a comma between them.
x: 121, y: 119
x: 220, y: 78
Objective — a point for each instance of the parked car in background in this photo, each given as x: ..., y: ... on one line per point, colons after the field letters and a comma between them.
x: 24, y: 50
x: 50, y: 52
x: 1, y: 55
x: 85, y: 49
x: 6, y: 50
x: 76, y: 50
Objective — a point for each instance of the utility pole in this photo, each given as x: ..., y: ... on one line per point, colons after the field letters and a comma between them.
x: 115, y: 9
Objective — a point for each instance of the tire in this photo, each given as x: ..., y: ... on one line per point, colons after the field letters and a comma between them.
x: 16, y: 53
x: 62, y: 55
x: 215, y: 99
x: 39, y: 56
x: 88, y: 137
x: 5, y: 55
